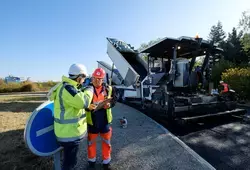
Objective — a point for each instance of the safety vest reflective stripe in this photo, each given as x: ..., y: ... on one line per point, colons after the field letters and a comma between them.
x: 68, y: 121
x: 86, y: 102
x: 90, y: 142
x: 70, y: 139
x: 92, y: 160
x: 106, y: 141
x: 106, y: 161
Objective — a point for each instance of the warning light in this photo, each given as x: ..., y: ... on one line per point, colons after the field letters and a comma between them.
x: 197, y: 36
x: 198, y: 39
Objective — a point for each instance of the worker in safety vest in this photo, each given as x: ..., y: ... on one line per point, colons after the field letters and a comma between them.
x: 69, y: 112
x: 99, y: 121
x: 224, y: 87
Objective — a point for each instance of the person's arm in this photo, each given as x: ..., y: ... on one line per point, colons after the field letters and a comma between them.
x: 52, y: 92
x: 113, y: 100
x: 77, y: 98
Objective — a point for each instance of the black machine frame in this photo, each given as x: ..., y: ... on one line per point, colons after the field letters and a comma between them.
x: 184, y: 102
x: 185, y: 47
x: 169, y: 88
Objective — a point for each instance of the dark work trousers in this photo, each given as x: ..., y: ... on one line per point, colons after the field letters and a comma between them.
x: 70, y: 151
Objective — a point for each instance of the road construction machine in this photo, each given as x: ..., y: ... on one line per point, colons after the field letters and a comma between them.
x: 165, y: 78
x: 112, y: 74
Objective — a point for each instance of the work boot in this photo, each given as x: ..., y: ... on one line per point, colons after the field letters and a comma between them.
x: 91, y: 165
x: 106, y: 167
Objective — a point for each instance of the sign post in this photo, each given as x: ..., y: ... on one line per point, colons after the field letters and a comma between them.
x: 39, y: 133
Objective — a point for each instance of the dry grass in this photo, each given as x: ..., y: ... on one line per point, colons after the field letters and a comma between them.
x: 14, y: 112
x: 26, y: 86
x: 18, y: 98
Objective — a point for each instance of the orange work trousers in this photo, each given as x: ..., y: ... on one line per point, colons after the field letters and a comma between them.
x: 106, y: 146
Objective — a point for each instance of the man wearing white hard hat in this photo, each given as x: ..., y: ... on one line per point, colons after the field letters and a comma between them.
x: 70, y: 103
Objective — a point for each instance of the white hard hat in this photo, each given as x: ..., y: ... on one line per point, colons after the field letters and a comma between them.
x: 77, y: 69
x: 221, y: 81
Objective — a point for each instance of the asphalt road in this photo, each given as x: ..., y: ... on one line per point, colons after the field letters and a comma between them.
x: 224, y: 145
x: 144, y: 145
x: 223, y: 142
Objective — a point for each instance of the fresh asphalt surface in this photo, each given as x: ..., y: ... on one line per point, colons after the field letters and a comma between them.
x: 223, y: 142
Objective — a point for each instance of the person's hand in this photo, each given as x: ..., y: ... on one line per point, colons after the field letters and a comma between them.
x: 106, y: 106
x: 92, y: 107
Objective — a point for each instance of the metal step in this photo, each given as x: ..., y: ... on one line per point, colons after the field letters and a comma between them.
x: 232, y: 112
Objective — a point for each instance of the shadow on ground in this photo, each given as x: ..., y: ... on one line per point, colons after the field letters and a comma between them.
x: 14, y: 155
x: 25, y: 98
x: 19, y: 106
x: 225, y: 147
x: 224, y: 143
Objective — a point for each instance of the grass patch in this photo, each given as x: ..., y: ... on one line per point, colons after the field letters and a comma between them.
x: 13, y: 152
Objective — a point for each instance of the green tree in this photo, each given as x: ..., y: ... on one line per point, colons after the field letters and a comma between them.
x: 145, y: 45
x: 233, y: 49
x: 244, y: 22
x: 245, y: 42
x: 219, y: 68
x: 217, y: 34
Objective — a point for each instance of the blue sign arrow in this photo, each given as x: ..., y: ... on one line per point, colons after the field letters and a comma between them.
x: 39, y: 131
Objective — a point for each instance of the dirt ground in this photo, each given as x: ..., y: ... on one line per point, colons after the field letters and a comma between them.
x: 14, y: 112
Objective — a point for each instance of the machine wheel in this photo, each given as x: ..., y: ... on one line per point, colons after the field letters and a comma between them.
x: 171, y: 108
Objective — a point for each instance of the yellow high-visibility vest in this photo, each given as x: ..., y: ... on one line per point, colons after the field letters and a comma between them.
x: 108, y: 111
x: 69, y: 110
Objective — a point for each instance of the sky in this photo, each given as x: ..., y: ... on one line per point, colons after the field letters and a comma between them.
x: 40, y: 39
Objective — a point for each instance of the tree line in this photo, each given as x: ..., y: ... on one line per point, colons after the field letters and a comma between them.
x: 236, y: 45
x: 234, y: 67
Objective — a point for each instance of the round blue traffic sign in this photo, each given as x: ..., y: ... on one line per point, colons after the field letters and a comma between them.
x: 39, y: 131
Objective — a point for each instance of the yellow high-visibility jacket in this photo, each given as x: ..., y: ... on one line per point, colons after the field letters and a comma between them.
x: 69, y: 110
